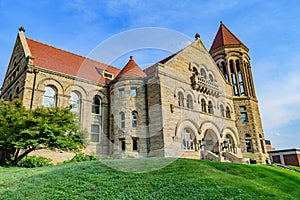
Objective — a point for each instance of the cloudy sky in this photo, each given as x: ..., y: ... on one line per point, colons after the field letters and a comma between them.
x: 270, y: 29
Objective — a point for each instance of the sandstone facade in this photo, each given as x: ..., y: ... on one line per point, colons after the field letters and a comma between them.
x: 194, y: 104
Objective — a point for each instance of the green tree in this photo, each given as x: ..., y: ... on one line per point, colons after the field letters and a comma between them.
x: 23, y: 131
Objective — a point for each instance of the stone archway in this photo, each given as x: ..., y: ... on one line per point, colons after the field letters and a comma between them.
x: 229, y: 144
x: 211, y: 142
x: 188, y: 140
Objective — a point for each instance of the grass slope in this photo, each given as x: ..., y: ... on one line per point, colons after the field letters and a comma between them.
x: 182, y: 179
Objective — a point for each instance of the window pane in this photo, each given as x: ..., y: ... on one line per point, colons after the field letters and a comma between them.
x: 242, y: 107
x: 74, y: 102
x: 133, y: 92
x: 49, y: 99
x: 134, y: 119
x: 121, y: 93
x: 244, y: 117
x: 122, y: 120
x: 95, y: 130
x: 96, y: 107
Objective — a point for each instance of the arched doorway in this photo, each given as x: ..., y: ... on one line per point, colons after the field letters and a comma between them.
x: 229, y: 144
x: 211, y: 142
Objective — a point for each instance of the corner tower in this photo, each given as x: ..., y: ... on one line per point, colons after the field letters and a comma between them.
x: 128, y: 113
x: 231, y: 57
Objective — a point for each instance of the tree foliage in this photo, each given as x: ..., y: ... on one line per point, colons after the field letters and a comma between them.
x: 23, y: 131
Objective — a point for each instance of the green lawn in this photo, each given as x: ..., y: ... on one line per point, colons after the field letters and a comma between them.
x: 182, y: 179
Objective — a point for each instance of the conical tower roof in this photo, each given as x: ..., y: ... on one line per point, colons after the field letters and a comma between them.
x: 131, y: 69
x: 224, y: 37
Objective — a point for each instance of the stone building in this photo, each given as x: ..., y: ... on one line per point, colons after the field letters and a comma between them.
x: 194, y: 103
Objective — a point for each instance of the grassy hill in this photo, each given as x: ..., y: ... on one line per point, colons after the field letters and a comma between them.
x: 182, y: 179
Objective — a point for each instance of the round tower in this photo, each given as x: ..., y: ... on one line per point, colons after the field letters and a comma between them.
x: 128, y: 114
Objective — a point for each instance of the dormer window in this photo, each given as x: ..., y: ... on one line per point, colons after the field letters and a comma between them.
x: 108, y: 75
x: 105, y: 74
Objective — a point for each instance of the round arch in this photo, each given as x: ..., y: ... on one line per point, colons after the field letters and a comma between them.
x: 186, y: 124
x: 78, y: 88
x: 177, y: 90
x: 49, y: 81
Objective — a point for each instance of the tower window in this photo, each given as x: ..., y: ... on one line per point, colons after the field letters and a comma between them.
x: 228, y: 112
x: 121, y: 93
x: 244, y: 117
x: 210, y: 108
x: 203, y: 105
x: 189, y: 101
x: 133, y: 92
x: 222, y: 111
x: 134, y: 119
x: 180, y: 99
x: 203, y: 73
x: 122, y: 120
x: 242, y: 108
x: 248, y: 145
x: 243, y: 114
x: 211, y: 78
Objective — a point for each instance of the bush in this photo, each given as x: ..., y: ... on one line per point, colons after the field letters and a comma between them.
x: 34, y: 161
x: 80, y: 157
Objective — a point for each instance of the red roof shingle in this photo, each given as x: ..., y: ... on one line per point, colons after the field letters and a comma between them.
x: 58, y: 60
x: 224, y: 37
x: 131, y: 69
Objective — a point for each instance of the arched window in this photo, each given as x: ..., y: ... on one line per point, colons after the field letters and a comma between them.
x: 229, y: 144
x: 189, y: 101
x: 180, y: 99
x: 211, y: 78
x: 96, y: 107
x: 203, y: 105
x: 222, y: 111
x: 210, y: 108
x: 228, y: 112
x: 134, y: 116
x: 188, y: 140
x: 203, y: 73
x: 75, y: 102
x: 49, y: 98
x: 122, y: 120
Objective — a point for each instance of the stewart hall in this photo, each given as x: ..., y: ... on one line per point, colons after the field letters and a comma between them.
x: 195, y: 103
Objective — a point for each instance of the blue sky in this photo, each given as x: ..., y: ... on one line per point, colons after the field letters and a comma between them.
x: 270, y: 29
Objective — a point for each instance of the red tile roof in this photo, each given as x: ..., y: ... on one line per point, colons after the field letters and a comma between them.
x: 131, y: 69
x: 58, y: 60
x: 224, y: 37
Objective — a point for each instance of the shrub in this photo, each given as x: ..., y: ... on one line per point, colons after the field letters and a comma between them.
x: 80, y: 157
x: 34, y: 161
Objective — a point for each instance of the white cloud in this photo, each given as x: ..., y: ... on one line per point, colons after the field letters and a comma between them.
x: 280, y: 100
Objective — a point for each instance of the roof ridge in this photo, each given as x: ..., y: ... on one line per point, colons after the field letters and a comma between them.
x: 72, y: 53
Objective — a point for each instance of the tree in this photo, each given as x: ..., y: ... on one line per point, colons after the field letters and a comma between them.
x: 23, y: 131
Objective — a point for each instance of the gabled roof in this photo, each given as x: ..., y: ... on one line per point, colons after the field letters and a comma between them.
x: 58, y: 60
x: 224, y: 37
x: 131, y: 69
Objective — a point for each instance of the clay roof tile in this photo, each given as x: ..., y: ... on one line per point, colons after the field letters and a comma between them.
x: 131, y: 69
x: 224, y: 37
x: 58, y: 60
